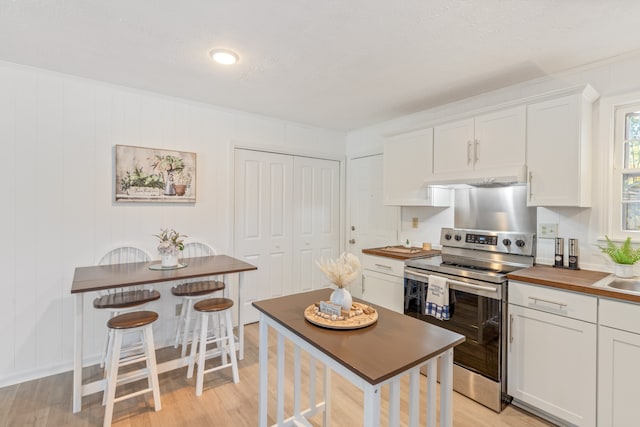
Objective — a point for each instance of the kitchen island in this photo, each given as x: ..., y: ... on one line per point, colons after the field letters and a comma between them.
x: 370, y: 358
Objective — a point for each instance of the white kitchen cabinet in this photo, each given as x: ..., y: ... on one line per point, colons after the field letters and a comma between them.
x: 618, y: 355
x: 485, y: 146
x: 552, y: 352
x: 559, y: 150
x: 382, y: 282
x: 408, y: 166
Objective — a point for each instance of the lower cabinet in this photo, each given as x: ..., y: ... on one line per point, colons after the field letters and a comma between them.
x: 618, y: 356
x: 552, y: 352
x: 382, y: 282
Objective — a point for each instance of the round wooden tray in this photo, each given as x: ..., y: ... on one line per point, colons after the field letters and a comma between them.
x: 354, y: 322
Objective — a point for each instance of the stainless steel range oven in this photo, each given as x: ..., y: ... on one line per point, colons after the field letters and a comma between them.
x: 474, y: 264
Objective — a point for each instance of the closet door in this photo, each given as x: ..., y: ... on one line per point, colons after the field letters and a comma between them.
x: 316, y: 219
x: 263, y: 230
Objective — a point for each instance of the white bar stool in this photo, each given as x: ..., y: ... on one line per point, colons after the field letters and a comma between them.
x: 224, y: 340
x: 140, y: 322
x: 191, y: 293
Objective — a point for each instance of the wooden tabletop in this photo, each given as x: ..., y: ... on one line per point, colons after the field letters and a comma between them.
x: 99, y: 277
x: 394, y: 344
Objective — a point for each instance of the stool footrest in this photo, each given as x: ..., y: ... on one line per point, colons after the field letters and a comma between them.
x: 217, y: 368
x: 130, y: 395
x: 131, y: 377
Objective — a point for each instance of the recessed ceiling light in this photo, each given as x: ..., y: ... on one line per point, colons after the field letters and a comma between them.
x: 224, y: 56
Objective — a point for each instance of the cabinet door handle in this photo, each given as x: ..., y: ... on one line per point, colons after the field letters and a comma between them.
x: 388, y: 267
x: 511, y: 328
x: 363, y: 277
x: 468, y: 152
x: 559, y: 304
x: 530, y: 185
x: 476, y: 151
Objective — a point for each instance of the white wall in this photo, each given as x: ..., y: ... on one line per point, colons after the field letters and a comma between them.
x: 609, y: 79
x: 57, y: 135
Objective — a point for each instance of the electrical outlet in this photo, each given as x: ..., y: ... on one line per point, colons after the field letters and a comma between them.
x: 414, y: 222
x: 178, y: 309
x: 547, y: 231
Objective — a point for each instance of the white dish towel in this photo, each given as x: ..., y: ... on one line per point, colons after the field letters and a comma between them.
x: 438, y: 298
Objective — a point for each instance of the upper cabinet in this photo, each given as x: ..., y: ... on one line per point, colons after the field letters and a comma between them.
x: 408, y: 165
x: 559, y: 150
x: 485, y: 146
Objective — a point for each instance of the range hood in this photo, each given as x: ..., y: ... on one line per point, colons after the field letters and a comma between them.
x: 498, y: 178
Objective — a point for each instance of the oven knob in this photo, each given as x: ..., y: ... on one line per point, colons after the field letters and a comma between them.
x: 519, y: 243
x: 458, y: 237
x: 506, y: 242
x: 447, y: 236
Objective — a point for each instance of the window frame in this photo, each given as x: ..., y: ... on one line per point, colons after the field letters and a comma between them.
x: 613, y: 113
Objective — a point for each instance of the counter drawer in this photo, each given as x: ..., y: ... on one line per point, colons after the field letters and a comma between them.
x: 620, y: 315
x: 384, y: 265
x: 555, y: 301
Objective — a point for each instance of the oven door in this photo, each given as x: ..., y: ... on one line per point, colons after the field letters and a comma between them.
x: 476, y: 311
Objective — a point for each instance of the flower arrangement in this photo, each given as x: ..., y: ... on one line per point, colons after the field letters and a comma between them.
x: 170, y: 242
x: 342, y: 271
x: 623, y: 254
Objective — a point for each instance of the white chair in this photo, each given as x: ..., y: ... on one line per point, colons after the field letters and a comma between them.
x: 139, y: 322
x: 120, y: 300
x: 192, y: 291
x: 219, y: 310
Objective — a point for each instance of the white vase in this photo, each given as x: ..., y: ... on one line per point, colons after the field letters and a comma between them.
x: 342, y: 297
x: 169, y: 260
x: 624, y: 271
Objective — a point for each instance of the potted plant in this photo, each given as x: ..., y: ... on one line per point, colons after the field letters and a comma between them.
x: 171, y: 243
x: 180, y: 182
x: 341, y: 273
x: 624, y: 256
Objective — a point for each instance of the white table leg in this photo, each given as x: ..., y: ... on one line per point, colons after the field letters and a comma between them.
x: 264, y: 371
x: 280, y: 381
x: 371, y: 406
x: 77, y: 353
x: 240, y: 323
x: 414, y: 398
x: 394, y: 402
x: 326, y: 417
x: 446, y: 389
x: 432, y: 380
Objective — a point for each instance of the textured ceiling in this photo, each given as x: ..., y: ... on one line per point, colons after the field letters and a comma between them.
x: 338, y: 64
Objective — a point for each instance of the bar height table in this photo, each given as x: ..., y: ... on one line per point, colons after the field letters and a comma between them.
x: 101, y: 277
x: 380, y: 354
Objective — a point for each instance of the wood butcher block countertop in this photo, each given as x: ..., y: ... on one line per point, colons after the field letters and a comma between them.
x: 584, y: 281
x: 400, y: 252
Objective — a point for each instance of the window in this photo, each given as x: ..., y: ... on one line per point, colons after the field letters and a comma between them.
x: 627, y: 169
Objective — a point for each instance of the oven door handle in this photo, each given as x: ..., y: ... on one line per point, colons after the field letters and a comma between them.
x: 455, y: 282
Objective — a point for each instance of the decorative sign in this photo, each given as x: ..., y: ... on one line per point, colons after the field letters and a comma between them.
x: 329, y: 308
x: 154, y: 175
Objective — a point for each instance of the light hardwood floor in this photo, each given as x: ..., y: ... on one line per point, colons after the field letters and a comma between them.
x: 47, y: 401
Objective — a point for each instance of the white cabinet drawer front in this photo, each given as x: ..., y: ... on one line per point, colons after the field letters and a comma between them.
x: 384, y: 265
x: 620, y: 315
x: 563, y: 303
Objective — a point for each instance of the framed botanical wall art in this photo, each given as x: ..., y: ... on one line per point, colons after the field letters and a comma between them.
x: 154, y: 175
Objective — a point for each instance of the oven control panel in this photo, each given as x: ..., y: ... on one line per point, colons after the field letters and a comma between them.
x: 493, y: 241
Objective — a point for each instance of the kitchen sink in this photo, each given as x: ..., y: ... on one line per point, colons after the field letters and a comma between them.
x: 629, y: 285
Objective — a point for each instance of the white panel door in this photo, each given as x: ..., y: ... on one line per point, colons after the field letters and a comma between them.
x: 372, y: 223
x: 500, y: 139
x: 618, y: 377
x: 263, y: 217
x: 552, y: 364
x: 316, y: 219
x: 453, y: 148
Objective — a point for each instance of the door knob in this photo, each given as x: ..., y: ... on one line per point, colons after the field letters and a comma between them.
x: 352, y: 241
